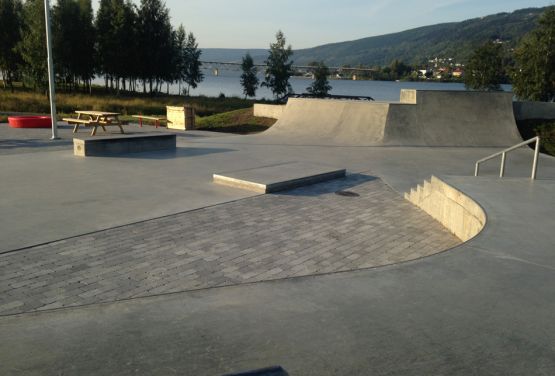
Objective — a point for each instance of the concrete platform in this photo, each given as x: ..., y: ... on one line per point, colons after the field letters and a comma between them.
x: 485, y: 307
x: 123, y: 144
x: 279, y: 177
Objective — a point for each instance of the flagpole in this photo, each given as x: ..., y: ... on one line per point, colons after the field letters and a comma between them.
x: 51, y: 77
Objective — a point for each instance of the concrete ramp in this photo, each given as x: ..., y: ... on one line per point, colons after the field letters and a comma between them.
x: 335, y: 121
x: 421, y: 118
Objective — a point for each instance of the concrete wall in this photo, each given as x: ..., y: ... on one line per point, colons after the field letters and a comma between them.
x: 452, y: 208
x: 534, y: 110
x: 408, y: 96
x: 271, y: 111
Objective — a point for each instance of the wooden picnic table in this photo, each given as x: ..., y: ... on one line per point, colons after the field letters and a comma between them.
x: 95, y: 119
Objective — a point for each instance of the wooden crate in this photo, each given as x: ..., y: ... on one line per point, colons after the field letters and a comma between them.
x: 180, y: 117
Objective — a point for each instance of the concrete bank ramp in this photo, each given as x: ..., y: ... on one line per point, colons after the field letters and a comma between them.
x: 421, y: 118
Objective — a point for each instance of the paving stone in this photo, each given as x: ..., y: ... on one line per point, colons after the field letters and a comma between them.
x: 306, y: 231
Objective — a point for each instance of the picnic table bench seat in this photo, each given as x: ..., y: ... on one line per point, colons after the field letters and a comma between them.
x: 77, y: 121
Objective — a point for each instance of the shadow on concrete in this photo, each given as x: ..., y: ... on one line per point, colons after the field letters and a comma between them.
x: 32, y: 143
x: 210, y: 135
x: 270, y: 371
x: 331, y: 186
x: 180, y: 152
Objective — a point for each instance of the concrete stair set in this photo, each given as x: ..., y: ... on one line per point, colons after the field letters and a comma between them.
x: 451, y: 207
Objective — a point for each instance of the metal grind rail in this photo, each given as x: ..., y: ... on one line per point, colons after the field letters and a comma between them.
x: 503, y: 155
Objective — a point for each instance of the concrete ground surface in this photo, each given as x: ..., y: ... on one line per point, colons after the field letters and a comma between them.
x: 482, y: 308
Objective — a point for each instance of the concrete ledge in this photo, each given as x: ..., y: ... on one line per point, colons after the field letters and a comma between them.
x: 272, y: 111
x: 452, y: 208
x: 278, y: 177
x: 122, y: 144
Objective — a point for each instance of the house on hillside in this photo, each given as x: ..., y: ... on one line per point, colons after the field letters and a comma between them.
x: 457, y: 72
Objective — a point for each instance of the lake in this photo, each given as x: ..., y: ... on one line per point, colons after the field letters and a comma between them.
x: 227, y: 82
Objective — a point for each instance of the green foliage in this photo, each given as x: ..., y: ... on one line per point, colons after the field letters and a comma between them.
x: 23, y: 100
x: 73, y: 41
x: 545, y: 129
x: 10, y: 37
x: 186, y: 60
x: 484, y: 70
x: 398, y: 69
x: 117, y: 41
x: 33, y: 44
x: 155, y: 38
x: 239, y: 121
x: 455, y: 40
x: 534, y: 73
x: 180, y: 42
x: 278, y: 67
x: 124, y: 43
x: 249, y: 80
x: 193, y: 74
x: 321, y: 86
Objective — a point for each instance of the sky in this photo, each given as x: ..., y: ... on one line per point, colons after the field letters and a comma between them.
x: 310, y: 23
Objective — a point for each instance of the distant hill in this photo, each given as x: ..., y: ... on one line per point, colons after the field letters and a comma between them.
x: 449, y: 40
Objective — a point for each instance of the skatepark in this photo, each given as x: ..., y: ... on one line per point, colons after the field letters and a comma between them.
x: 142, y: 264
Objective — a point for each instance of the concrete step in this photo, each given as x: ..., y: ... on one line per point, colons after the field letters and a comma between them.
x: 451, y: 207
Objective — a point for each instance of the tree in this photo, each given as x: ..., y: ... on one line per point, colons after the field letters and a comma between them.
x: 105, y: 45
x: 534, y: 73
x: 33, y: 44
x: 321, y: 86
x: 117, y: 42
x: 86, y: 64
x: 73, y: 41
x: 10, y: 37
x: 249, y: 80
x: 180, y: 65
x: 156, y: 41
x: 398, y: 69
x: 193, y: 74
x: 278, y: 67
x: 485, y: 69
x: 124, y: 64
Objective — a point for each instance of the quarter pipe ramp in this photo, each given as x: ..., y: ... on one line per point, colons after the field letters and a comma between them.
x: 421, y: 118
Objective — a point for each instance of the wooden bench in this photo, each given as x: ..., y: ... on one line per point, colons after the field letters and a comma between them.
x: 156, y: 119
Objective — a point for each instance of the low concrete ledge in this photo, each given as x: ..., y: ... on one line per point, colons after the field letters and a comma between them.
x: 123, y: 144
x: 452, y: 208
x: 278, y: 177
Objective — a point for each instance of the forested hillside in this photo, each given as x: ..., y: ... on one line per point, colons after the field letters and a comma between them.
x: 454, y: 40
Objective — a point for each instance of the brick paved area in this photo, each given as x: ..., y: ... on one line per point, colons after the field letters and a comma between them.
x: 302, y: 232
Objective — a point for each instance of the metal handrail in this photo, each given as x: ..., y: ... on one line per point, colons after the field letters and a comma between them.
x: 503, y: 155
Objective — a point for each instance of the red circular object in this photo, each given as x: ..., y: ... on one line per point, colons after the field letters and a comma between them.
x: 30, y: 121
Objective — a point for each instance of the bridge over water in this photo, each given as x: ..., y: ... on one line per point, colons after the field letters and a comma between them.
x: 216, y: 66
